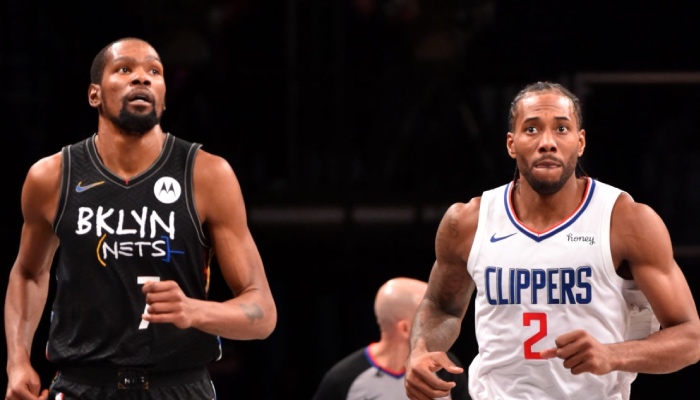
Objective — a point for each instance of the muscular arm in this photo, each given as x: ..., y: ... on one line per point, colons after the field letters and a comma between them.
x: 639, y: 236
x: 28, y: 283
x: 251, y: 313
x: 438, y: 320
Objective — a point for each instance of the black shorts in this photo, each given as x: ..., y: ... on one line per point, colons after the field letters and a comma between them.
x: 69, y: 386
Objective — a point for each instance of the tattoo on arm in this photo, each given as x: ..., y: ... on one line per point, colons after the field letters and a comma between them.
x: 252, y: 311
x: 453, y: 226
x: 450, y: 231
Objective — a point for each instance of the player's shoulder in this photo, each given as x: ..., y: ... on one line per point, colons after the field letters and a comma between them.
x: 45, y: 170
x: 630, y: 213
x: 470, y: 206
x: 212, y: 165
x: 469, y: 210
x: 41, y: 188
x: 463, y: 215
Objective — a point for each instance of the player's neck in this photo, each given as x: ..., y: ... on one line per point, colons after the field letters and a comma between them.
x: 541, y: 212
x: 129, y: 155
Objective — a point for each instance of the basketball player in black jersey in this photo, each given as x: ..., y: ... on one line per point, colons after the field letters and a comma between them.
x: 135, y: 215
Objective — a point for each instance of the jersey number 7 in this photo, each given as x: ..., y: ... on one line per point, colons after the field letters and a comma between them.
x: 142, y: 280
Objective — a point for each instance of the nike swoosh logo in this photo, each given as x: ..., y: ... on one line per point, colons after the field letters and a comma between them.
x: 495, y: 239
x: 80, y: 188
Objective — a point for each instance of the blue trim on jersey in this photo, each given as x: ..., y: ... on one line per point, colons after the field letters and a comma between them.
x: 538, y: 237
x: 375, y: 365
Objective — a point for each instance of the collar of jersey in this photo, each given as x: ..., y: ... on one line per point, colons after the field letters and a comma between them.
x: 373, y: 362
x: 540, y: 236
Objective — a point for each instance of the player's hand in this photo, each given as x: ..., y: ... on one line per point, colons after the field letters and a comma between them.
x: 422, y: 383
x: 581, y: 353
x: 167, y: 303
x: 24, y: 384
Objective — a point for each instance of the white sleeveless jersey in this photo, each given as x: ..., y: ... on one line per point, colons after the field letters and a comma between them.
x: 534, y: 286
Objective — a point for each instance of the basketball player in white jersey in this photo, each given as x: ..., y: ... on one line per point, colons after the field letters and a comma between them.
x: 573, y: 278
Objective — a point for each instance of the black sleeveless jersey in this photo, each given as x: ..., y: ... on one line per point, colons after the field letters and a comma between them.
x: 115, y: 235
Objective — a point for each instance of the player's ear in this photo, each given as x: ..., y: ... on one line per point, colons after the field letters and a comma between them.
x: 581, y: 141
x: 509, y: 144
x: 94, y: 95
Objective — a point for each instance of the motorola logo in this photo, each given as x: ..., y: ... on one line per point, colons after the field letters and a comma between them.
x: 167, y: 190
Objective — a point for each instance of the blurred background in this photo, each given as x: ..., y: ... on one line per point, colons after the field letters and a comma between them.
x: 353, y: 124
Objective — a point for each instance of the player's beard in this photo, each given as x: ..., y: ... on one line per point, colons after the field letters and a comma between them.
x: 135, y: 124
x: 549, y: 187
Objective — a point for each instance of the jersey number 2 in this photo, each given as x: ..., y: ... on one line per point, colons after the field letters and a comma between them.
x: 527, y: 346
